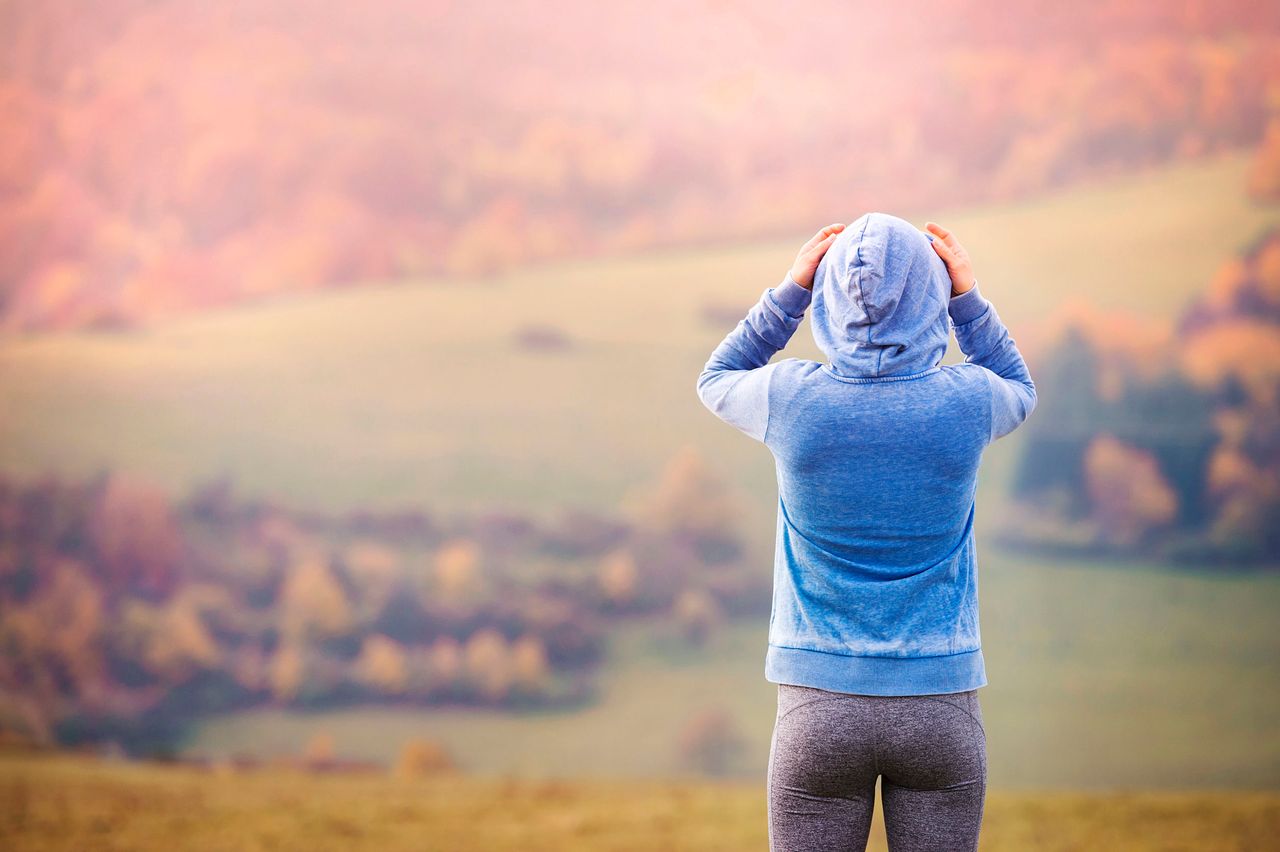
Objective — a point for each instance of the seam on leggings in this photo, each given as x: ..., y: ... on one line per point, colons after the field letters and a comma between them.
x: 875, y: 735
x: 964, y: 710
x: 806, y: 703
x: 978, y: 751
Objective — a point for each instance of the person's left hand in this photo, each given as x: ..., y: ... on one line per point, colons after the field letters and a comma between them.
x: 802, y: 271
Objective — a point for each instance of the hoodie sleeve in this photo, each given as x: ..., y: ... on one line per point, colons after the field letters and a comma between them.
x: 985, y: 341
x: 734, y: 384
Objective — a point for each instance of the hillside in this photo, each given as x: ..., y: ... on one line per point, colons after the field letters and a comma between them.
x: 167, y: 157
x: 426, y: 395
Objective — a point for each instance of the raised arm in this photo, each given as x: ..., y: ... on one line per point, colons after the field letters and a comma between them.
x: 734, y: 384
x: 984, y: 339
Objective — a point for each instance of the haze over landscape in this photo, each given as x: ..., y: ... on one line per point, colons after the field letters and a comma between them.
x: 348, y: 430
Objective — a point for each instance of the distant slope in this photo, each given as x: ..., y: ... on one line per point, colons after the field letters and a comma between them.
x: 163, y: 157
x: 395, y: 394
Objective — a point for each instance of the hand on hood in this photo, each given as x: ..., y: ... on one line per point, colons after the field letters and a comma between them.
x: 811, y: 253
x: 954, y: 256
x: 880, y: 296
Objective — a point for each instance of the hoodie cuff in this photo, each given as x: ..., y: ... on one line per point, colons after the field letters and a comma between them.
x: 791, y: 297
x: 968, y: 306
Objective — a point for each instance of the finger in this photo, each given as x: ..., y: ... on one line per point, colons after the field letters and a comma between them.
x: 824, y: 234
x: 820, y: 248
x: 947, y: 236
x: 944, y: 251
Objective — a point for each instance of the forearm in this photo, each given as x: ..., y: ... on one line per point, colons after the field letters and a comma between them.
x: 734, y: 384
x: 767, y: 328
x: 985, y: 341
x: 983, y: 337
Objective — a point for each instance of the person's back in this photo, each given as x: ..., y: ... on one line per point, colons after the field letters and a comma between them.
x: 877, y: 455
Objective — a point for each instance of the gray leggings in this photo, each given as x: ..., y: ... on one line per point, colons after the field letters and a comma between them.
x: 828, y: 748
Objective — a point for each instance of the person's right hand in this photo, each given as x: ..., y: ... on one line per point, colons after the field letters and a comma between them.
x: 954, y: 256
x: 806, y: 264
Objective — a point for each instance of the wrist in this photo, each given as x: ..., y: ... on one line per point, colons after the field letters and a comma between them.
x: 967, y: 306
x: 968, y: 283
x: 792, y: 296
x: 799, y: 279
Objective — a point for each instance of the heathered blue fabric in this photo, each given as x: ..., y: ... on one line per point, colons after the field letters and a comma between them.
x: 875, y: 586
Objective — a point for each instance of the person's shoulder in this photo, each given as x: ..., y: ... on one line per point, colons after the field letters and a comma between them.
x: 796, y: 368
x: 965, y: 372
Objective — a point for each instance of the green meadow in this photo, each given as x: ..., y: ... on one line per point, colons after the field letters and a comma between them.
x: 417, y: 393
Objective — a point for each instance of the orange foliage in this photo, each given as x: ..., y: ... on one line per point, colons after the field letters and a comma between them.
x: 457, y: 569
x: 488, y: 662
x: 319, y: 751
x: 445, y: 660
x: 711, y: 741
x: 697, y: 612
x: 288, y: 671
x: 1264, y: 172
x: 1124, y: 342
x: 618, y: 575
x: 136, y: 537
x: 382, y: 664
x: 59, y: 630
x: 420, y: 758
x: 1128, y: 493
x: 313, y: 603
x: 688, y: 498
x: 164, y: 157
x: 529, y: 664
x: 1247, y: 349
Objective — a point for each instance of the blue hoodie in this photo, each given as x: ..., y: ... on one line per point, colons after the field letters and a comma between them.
x: 875, y: 581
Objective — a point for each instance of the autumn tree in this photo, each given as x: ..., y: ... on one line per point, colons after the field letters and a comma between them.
x: 458, y: 581
x: 530, y: 670
x: 697, y: 613
x: 288, y: 671
x: 445, y: 664
x: 172, y: 641
x: 487, y: 662
x: 54, y: 642
x: 313, y: 604
x: 382, y: 665
x: 711, y: 742
x: 689, y: 500
x: 136, y: 538
x: 319, y: 752
x: 617, y: 577
x: 1128, y: 493
x: 375, y: 572
x: 1264, y: 171
x: 421, y: 758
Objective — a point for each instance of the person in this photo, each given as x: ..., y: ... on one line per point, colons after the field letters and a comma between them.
x: 873, y: 638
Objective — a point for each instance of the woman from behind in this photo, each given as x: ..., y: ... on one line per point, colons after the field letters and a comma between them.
x: 873, y: 636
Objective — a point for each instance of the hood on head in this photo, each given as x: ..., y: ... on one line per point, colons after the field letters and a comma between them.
x: 880, y: 297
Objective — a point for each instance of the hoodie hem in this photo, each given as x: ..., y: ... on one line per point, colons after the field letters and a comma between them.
x: 876, y: 675
x: 866, y: 379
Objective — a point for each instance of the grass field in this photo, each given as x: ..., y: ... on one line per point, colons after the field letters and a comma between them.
x: 62, y: 803
x: 417, y: 394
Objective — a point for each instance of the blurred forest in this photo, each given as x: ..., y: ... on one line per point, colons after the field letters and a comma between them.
x: 126, y: 614
x: 164, y: 157
x: 1165, y: 439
